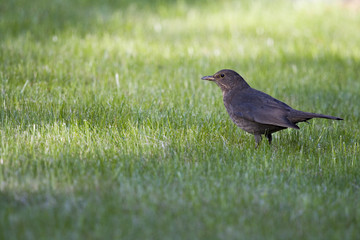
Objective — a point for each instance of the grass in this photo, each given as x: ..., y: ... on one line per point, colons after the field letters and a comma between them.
x: 107, y: 131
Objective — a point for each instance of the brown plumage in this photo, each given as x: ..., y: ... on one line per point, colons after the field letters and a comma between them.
x: 254, y: 111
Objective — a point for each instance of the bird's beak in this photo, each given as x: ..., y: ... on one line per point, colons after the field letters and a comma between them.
x: 209, y: 78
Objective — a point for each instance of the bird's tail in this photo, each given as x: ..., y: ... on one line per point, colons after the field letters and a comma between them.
x: 318, y: 115
x: 299, y: 116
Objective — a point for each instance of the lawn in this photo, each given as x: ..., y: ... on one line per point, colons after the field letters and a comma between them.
x: 108, y: 132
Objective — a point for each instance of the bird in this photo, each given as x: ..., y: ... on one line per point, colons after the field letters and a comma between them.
x: 257, y: 112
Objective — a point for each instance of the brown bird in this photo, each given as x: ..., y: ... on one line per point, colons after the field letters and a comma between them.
x: 254, y: 111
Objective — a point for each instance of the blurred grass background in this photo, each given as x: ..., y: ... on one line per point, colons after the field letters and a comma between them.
x: 108, y: 132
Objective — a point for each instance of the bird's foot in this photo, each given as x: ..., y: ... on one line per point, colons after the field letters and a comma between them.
x: 257, y: 140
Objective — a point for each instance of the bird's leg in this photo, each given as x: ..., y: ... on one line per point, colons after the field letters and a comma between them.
x: 269, y: 137
x: 257, y: 140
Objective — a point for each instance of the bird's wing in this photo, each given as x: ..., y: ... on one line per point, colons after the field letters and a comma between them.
x: 262, y: 108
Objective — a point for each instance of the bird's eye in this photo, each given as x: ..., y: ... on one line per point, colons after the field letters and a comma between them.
x: 222, y: 75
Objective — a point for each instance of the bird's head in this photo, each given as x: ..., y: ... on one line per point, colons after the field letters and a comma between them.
x: 227, y: 79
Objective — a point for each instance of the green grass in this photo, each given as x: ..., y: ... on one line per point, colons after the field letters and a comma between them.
x: 107, y: 131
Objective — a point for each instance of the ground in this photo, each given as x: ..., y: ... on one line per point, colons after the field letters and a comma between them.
x: 108, y: 132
